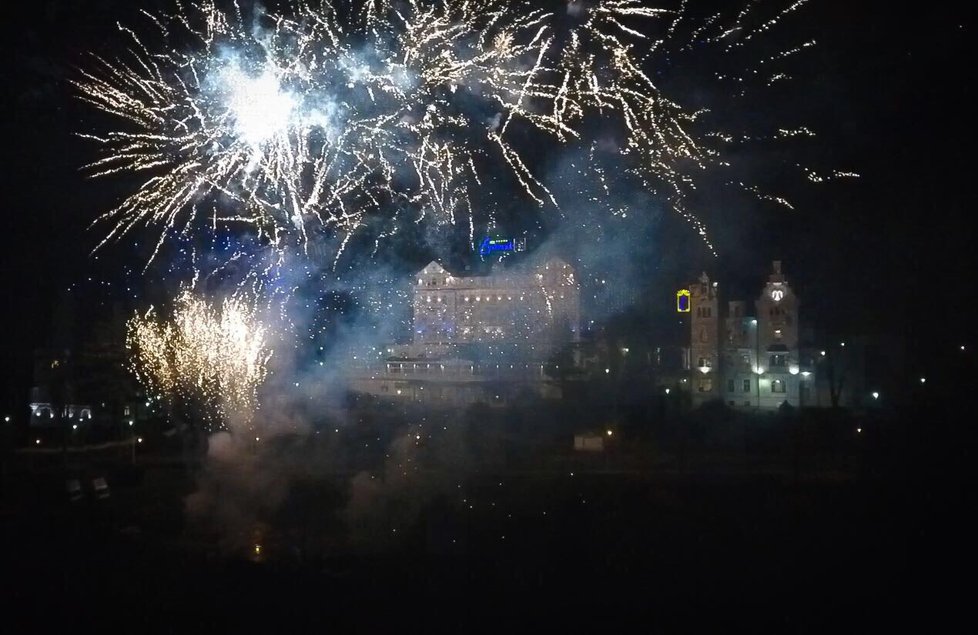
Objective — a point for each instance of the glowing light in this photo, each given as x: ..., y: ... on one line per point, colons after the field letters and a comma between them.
x: 923, y: 380
x: 876, y: 395
x: 259, y: 107
x: 682, y: 301
x: 667, y: 391
x: 794, y: 369
x: 74, y: 426
x: 37, y: 442
x: 610, y: 432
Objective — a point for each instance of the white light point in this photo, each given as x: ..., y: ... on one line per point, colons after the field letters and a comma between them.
x: 259, y: 107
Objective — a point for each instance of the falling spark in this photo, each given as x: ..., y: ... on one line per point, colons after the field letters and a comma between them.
x: 210, y: 356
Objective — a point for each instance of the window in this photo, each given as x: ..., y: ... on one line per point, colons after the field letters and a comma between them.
x: 777, y: 386
x: 746, y: 385
x: 779, y: 361
x: 706, y: 385
x: 703, y: 363
x: 730, y: 387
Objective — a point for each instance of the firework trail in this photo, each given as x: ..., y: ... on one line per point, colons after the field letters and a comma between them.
x: 336, y: 114
x: 211, y: 359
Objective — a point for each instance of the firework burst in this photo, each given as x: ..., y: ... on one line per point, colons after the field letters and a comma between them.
x: 333, y: 115
x: 211, y: 359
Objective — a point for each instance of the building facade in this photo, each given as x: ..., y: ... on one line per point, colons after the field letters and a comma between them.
x: 479, y: 338
x: 749, y: 360
x: 531, y: 308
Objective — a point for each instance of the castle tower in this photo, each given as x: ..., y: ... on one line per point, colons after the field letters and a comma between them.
x: 777, y: 342
x: 704, y: 340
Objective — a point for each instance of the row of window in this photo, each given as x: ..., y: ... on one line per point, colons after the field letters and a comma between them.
x: 488, y: 298
x: 777, y: 360
x: 777, y: 386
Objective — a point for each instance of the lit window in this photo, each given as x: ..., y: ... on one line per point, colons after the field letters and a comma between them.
x: 777, y: 386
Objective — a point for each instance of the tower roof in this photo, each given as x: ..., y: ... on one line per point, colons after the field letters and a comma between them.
x: 433, y: 267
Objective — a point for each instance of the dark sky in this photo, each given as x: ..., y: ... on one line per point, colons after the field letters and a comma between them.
x: 889, y: 92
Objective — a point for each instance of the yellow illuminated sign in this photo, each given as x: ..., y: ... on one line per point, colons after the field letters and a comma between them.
x: 682, y: 301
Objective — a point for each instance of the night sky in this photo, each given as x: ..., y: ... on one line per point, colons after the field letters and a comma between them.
x: 888, y: 91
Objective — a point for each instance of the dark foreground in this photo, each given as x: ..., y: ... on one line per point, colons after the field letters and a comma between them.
x: 592, y: 552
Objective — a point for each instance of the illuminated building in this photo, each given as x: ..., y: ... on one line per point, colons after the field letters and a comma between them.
x: 80, y: 381
x: 752, y: 361
x: 480, y: 338
x: 528, y: 308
